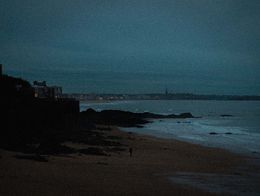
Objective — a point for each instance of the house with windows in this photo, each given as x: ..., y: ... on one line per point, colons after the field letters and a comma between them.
x: 41, y: 90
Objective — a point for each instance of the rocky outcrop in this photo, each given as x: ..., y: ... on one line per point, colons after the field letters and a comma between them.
x: 125, y: 118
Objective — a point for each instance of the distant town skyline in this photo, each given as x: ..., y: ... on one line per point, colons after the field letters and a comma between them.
x: 145, y: 46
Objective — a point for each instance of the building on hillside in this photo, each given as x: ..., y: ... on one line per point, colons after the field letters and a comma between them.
x: 41, y: 90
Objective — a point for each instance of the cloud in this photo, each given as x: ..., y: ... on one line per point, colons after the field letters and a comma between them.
x: 192, y: 41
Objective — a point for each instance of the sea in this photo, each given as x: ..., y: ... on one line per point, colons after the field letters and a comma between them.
x: 232, y: 125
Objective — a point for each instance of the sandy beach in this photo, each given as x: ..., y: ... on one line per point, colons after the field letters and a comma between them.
x: 146, y: 172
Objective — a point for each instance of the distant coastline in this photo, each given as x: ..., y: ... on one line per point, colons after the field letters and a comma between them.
x: 159, y: 96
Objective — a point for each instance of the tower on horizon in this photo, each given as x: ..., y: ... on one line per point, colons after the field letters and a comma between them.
x: 166, y: 91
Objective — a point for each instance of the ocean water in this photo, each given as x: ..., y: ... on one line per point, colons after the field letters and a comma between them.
x: 239, y: 132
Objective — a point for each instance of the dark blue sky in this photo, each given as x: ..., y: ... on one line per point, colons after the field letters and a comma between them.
x: 197, y: 46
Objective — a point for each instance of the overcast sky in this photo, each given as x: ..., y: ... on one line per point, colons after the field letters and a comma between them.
x: 142, y: 46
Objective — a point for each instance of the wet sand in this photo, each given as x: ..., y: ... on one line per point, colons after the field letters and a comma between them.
x: 146, y: 172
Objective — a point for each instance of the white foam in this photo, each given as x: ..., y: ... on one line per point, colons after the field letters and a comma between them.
x: 201, y: 132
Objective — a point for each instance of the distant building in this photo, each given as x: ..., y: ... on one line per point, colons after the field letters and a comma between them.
x: 41, y: 90
x: 38, y: 83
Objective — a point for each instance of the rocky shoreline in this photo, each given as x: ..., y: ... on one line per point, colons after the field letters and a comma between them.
x: 125, y: 118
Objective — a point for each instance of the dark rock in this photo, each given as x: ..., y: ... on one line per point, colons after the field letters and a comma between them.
x: 113, y: 117
x: 228, y: 133
x: 54, y: 149
x: 92, y: 151
x: 116, y: 149
x: 125, y: 118
x: 184, y: 115
x: 113, y: 137
x: 102, y: 163
x: 226, y: 115
x: 213, y: 133
x: 36, y: 157
x: 104, y: 128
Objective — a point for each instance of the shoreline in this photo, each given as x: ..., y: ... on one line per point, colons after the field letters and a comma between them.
x: 221, y: 124
x: 147, y: 172
x: 249, y: 154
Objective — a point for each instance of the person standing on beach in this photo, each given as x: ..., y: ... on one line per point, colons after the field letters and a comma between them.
x: 130, y: 151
